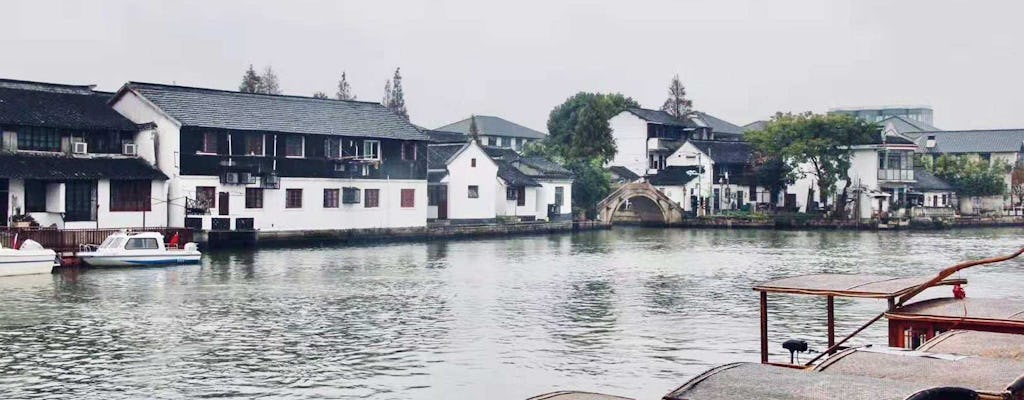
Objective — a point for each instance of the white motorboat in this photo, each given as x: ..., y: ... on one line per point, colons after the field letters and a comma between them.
x: 30, y: 258
x: 128, y: 249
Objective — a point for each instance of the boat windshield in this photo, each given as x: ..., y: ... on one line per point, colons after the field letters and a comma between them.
x: 112, y: 242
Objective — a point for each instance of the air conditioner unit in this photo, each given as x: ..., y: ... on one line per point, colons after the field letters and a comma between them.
x: 80, y: 148
x: 130, y: 149
x: 230, y: 178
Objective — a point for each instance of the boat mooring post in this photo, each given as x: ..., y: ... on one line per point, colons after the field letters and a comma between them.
x: 831, y: 324
x: 764, y: 327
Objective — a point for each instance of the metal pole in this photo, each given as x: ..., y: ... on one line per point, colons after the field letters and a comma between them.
x: 764, y: 327
x: 831, y: 324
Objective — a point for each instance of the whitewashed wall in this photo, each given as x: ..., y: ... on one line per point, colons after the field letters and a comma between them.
x: 546, y: 195
x: 461, y: 174
x: 630, y: 135
x: 313, y: 215
x: 510, y: 208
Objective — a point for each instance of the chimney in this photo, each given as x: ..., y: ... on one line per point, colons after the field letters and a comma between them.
x: 930, y: 143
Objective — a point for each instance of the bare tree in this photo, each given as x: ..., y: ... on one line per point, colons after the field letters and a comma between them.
x: 677, y: 104
x: 344, y: 90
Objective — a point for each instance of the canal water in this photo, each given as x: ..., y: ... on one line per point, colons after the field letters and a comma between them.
x: 630, y: 311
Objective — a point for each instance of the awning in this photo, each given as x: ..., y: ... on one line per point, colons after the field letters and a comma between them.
x: 844, y: 285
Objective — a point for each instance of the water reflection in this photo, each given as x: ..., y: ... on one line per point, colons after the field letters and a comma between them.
x: 628, y: 311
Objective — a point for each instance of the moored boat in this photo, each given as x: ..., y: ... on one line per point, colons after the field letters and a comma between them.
x: 29, y: 258
x: 131, y: 249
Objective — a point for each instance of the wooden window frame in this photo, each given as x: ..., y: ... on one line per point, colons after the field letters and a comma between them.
x: 408, y: 198
x: 253, y: 198
x: 289, y: 199
x: 131, y: 195
x: 332, y: 198
x: 302, y: 146
x: 371, y: 198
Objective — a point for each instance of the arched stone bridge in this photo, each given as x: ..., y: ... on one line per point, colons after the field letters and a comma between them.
x: 639, y: 202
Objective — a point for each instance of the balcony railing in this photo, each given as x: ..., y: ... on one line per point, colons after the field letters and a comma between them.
x: 896, y: 174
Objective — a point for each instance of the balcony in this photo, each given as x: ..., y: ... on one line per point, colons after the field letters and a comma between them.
x: 898, y: 175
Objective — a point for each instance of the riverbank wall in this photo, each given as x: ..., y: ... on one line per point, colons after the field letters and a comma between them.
x: 798, y: 223
x: 233, y: 239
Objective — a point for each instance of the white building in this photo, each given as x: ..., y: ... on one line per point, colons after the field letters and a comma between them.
x: 723, y: 177
x: 645, y: 138
x: 551, y: 196
x: 496, y: 132
x: 243, y: 161
x: 68, y: 160
x: 463, y: 183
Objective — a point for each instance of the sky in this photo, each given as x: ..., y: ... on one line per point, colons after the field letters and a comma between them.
x: 740, y: 60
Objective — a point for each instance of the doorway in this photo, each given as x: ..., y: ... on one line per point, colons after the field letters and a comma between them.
x: 222, y: 203
x: 4, y: 204
x: 442, y: 201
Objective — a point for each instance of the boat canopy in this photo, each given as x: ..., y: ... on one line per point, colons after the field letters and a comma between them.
x: 995, y: 376
x: 759, y: 381
x: 970, y: 309
x: 846, y: 285
x: 978, y: 343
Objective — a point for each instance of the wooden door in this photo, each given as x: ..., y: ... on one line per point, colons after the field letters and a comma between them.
x: 222, y: 203
x: 442, y: 202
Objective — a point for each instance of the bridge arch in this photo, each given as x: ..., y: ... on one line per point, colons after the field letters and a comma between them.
x: 645, y: 205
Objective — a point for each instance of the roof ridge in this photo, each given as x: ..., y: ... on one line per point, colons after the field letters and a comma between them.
x: 974, y: 130
x: 234, y: 92
x: 89, y: 86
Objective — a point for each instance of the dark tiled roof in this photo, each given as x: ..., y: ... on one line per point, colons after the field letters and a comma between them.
x: 926, y: 182
x: 725, y: 152
x: 58, y: 106
x: 439, y: 154
x: 512, y: 175
x: 446, y: 137
x: 675, y: 175
x: 623, y: 172
x: 534, y: 167
x: 906, y: 125
x: 61, y: 167
x: 755, y: 126
x: 973, y: 141
x: 494, y: 126
x: 659, y: 117
x: 276, y: 113
x: 436, y: 176
x: 718, y: 125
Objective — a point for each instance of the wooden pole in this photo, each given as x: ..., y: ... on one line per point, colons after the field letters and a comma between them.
x: 764, y: 327
x: 831, y: 324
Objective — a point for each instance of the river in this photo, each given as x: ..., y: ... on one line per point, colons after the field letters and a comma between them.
x: 630, y: 311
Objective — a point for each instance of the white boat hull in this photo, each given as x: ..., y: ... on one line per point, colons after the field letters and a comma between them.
x: 26, y: 262
x: 98, y: 259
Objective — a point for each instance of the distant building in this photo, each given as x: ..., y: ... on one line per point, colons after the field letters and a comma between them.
x: 996, y: 146
x: 722, y: 176
x: 496, y: 132
x: 245, y: 161
x: 67, y: 159
x: 645, y: 138
x: 877, y: 114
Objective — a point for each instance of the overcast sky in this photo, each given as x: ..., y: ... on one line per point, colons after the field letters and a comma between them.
x: 739, y: 60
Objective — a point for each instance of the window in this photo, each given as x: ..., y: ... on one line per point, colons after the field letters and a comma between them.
x: 371, y: 149
x: 38, y: 139
x: 559, y: 195
x: 331, y: 197
x: 409, y: 151
x: 408, y: 198
x: 511, y: 193
x: 372, y: 199
x: 253, y: 198
x: 142, y: 244
x: 499, y: 141
x: 35, y: 196
x: 254, y: 144
x: 80, y: 201
x: 206, y: 196
x: 130, y: 195
x: 293, y: 198
x: 472, y: 162
x: 474, y: 193
x: 209, y: 143
x: 294, y: 146
x: 332, y: 148
x: 350, y: 195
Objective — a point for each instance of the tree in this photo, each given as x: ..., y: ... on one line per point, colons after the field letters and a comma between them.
x: 250, y: 81
x: 386, y: 101
x: 822, y: 144
x: 474, y: 132
x: 677, y: 104
x: 771, y: 173
x: 268, y: 82
x: 578, y: 128
x: 1017, y: 184
x: 970, y: 176
x: 319, y: 95
x: 344, y: 90
x: 396, y: 99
